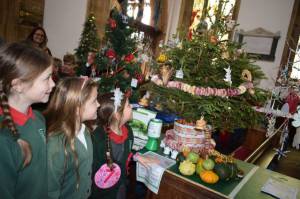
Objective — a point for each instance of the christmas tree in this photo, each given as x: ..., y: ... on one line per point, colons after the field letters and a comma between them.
x: 89, y: 41
x: 116, y: 61
x: 214, y: 77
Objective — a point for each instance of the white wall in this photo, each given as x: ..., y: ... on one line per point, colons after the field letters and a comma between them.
x: 173, y: 17
x: 63, y: 22
x: 272, y: 15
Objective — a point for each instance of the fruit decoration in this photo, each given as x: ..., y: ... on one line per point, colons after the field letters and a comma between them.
x: 199, y: 167
x: 186, y: 151
x: 193, y: 157
x: 208, y: 164
x: 209, y: 177
x: 187, y: 168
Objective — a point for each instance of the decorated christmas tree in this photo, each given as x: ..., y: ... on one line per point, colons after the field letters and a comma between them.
x: 207, y: 75
x: 116, y: 61
x: 89, y: 41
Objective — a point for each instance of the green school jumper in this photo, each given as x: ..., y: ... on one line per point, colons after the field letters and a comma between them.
x: 99, y: 143
x: 29, y: 182
x: 62, y: 179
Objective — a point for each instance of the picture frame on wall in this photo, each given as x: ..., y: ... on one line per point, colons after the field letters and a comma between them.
x: 259, y: 43
x: 31, y: 13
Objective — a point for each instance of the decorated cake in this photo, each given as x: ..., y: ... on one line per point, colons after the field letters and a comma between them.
x: 188, y: 136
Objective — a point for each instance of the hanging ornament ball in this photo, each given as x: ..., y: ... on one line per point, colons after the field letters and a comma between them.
x: 110, y: 53
x: 112, y: 23
x: 213, y: 39
x: 201, y: 27
x: 126, y: 75
x: 129, y: 58
x: 139, y: 77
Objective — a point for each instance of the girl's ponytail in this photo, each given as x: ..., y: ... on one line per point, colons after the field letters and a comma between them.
x: 25, y: 147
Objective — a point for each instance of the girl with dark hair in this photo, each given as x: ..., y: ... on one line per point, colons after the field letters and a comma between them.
x: 25, y: 79
x: 112, y: 141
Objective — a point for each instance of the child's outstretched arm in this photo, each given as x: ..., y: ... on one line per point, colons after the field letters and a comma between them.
x: 145, y: 160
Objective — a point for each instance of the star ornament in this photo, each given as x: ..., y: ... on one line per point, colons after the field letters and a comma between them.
x: 228, y: 75
x: 281, y: 153
x: 118, y: 96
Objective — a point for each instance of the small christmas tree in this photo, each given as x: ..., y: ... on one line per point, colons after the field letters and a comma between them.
x: 214, y: 78
x: 89, y: 41
x: 116, y: 61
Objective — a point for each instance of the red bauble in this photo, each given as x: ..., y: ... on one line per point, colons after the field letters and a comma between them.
x: 112, y: 23
x: 110, y: 53
x: 128, y: 58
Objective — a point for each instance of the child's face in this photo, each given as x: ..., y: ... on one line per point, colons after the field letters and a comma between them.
x: 39, y: 90
x: 127, y: 112
x: 89, y: 110
x: 91, y: 58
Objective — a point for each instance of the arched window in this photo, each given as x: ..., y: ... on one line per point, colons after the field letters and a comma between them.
x: 140, y: 10
x: 209, y: 10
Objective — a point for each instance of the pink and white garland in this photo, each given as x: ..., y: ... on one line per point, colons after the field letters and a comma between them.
x: 206, y: 91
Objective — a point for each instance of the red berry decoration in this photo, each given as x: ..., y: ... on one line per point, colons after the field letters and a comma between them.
x: 110, y: 53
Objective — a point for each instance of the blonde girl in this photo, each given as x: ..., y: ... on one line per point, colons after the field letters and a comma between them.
x: 70, y: 151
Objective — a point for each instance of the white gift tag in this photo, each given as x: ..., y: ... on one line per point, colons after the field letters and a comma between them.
x: 179, y: 74
x: 134, y: 82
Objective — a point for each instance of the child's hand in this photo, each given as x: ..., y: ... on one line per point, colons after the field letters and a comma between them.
x: 145, y: 160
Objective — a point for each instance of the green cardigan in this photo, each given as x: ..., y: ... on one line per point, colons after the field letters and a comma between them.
x: 15, y: 182
x: 62, y: 179
x: 99, y: 144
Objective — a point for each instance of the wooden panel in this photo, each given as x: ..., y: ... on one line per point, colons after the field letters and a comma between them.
x: 254, y: 138
x: 17, y: 18
x: 101, y: 11
x: 178, y: 188
x: 185, y: 15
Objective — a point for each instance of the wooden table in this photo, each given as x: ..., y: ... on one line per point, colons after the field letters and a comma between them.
x: 176, y: 186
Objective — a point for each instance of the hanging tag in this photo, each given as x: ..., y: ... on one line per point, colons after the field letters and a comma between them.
x: 179, y: 74
x: 106, y: 177
x: 134, y: 82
